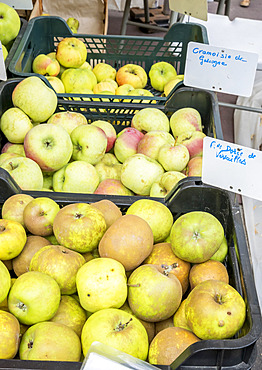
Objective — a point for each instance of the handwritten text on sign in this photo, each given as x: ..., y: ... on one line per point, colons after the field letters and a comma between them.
x: 232, y: 167
x: 224, y: 70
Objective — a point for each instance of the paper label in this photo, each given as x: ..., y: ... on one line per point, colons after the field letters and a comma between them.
x: 219, y: 69
x: 193, y: 8
x: 3, y: 76
x: 20, y: 4
x: 232, y: 167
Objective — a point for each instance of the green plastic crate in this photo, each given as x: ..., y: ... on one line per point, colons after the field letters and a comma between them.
x: 44, y: 33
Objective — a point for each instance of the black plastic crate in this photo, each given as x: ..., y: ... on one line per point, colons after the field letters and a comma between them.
x: 44, y: 33
x: 236, y: 353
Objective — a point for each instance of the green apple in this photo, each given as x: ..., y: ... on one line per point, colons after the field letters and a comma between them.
x: 71, y: 52
x: 103, y: 86
x: 9, y: 23
x: 76, y: 177
x: 160, y: 73
x: 60, y: 263
x: 103, y: 71
x: 222, y: 251
x: 101, y: 283
x: 56, y: 84
x: 215, y: 310
x: 5, y: 279
x: 34, y: 297
x: 46, y: 66
x: 179, y: 318
x: 156, y: 214
x: 15, y: 124
x: 150, y: 119
x: 10, y: 335
x: 124, y: 89
x: 185, y: 120
x: 165, y: 183
x: 170, y: 85
x: 108, y: 167
x: 117, y: 329
x: 78, y: 79
x: 173, y: 157
x: 132, y: 74
x: 73, y: 23
x: 35, y: 98
x: 50, y: 341
x: 48, y: 180
x: 196, y: 236
x: 5, y: 51
x: 152, y: 141
x: 139, y: 92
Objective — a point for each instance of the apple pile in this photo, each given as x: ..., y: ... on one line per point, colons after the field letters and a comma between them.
x: 68, y: 71
x: 10, y: 24
x: 138, y: 281
x: 63, y: 151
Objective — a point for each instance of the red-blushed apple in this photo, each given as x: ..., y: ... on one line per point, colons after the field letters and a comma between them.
x: 79, y: 226
x: 152, y: 141
x: 132, y: 74
x: 13, y: 207
x: 185, y: 120
x: 117, y: 329
x: 109, y: 167
x: 13, y: 148
x: 112, y: 187
x: 76, y: 177
x: 160, y: 73
x: 104, y: 71
x: 195, y: 236
x: 152, y: 295
x: 8, y: 155
x: 165, y: 183
x: 49, y: 146
x: 173, y: 157
x: 215, y: 310
x: 39, y: 216
x: 15, y: 124
x: 26, y: 172
x: 10, y: 335
x: 150, y: 119
x: 139, y: 172
x: 126, y: 143
x: 76, y: 80
x: 194, y: 167
x: 56, y: 84
x: 109, y: 130
x: 68, y: 120
x: 46, y: 66
x: 89, y: 143
x: 71, y: 52
x: 193, y: 141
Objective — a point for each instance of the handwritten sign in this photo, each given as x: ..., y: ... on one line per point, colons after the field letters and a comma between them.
x: 3, y: 76
x: 219, y: 69
x: 232, y: 167
x: 193, y: 8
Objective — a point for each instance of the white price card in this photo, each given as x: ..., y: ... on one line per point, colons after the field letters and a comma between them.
x: 193, y: 8
x: 3, y: 76
x: 219, y: 69
x: 232, y: 167
x: 19, y: 4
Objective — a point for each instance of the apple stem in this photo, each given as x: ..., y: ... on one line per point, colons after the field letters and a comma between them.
x: 169, y: 268
x: 218, y: 298
x: 121, y: 326
x: 2, y: 228
x: 134, y: 285
x: 22, y: 306
x: 30, y: 344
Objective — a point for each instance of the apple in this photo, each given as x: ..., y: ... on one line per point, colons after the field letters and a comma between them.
x: 78, y: 79
x: 112, y: 187
x: 104, y: 71
x: 68, y: 120
x: 12, y: 239
x: 118, y: 329
x: 71, y: 314
x: 13, y: 207
x: 153, y: 296
x: 34, y: 297
x: 10, y: 23
x: 185, y: 120
x: 179, y: 318
x: 104, y: 86
x: 124, y: 89
x: 152, y: 141
x: 150, y: 119
x: 15, y: 124
x: 26, y: 172
x: 86, y: 65
x: 79, y: 226
x: 109, y: 130
x: 5, y: 279
x: 101, y: 283
x: 76, y: 177
x: 35, y: 98
x: 73, y: 24
x: 128, y: 240
x: 109, y: 209
x: 194, y: 167
x: 39, y: 216
x: 56, y: 84
x: 49, y: 146
x: 5, y: 52
x: 222, y: 251
x: 7, y: 155
x: 173, y: 157
x: 10, y: 335
x: 139, y: 172
x: 44, y: 65
x: 170, y: 85
x: 33, y: 243
x: 13, y: 148
x: 160, y: 73
x: 139, y: 92
x: 161, y: 325
x: 156, y: 214
x: 108, y: 167
x: 126, y: 143
x: 132, y: 74
x: 208, y: 270
x: 111, y: 81
x: 193, y: 141
x: 71, y: 52
x: 215, y: 310
x: 63, y: 343
x: 196, y: 236
x: 60, y: 263
x: 89, y: 143
x: 168, y: 344
x: 165, y: 183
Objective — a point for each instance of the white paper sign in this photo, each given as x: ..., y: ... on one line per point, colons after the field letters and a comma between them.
x: 193, y: 8
x: 232, y: 167
x: 19, y: 4
x: 219, y: 69
x: 3, y: 76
